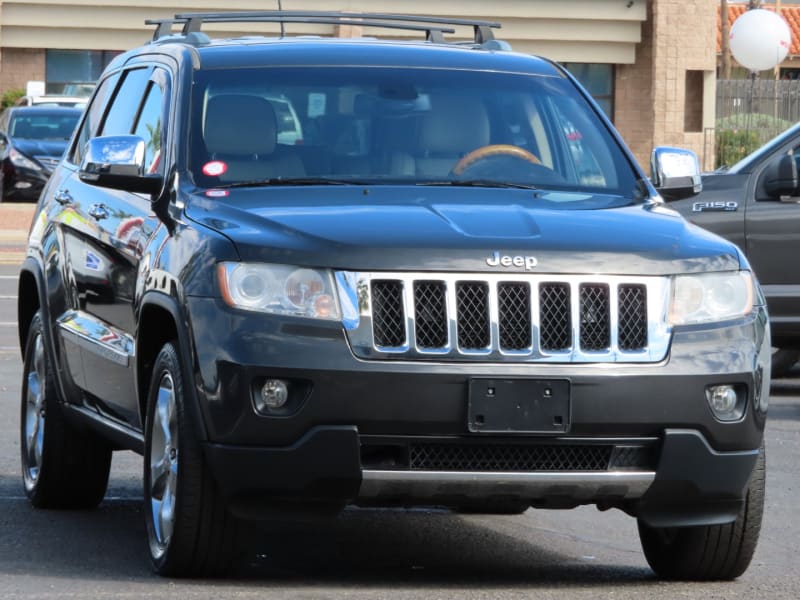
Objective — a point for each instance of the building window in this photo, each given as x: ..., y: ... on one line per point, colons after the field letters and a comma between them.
x: 693, y: 102
x: 598, y: 79
x: 74, y: 72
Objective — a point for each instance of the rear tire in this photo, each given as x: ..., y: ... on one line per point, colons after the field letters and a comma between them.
x: 62, y: 467
x: 710, y: 552
x: 190, y: 532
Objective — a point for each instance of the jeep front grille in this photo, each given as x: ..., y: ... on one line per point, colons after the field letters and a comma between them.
x: 508, y: 317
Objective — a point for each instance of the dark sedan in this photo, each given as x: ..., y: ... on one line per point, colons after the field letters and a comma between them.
x: 32, y: 140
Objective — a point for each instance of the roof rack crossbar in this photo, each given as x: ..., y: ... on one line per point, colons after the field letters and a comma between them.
x: 433, y: 26
x: 193, y: 24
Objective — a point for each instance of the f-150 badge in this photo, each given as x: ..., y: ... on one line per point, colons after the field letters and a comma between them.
x: 717, y: 206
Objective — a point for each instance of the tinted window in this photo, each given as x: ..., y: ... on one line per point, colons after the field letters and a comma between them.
x: 405, y: 125
x: 148, y: 127
x: 125, y: 107
x: 94, y: 113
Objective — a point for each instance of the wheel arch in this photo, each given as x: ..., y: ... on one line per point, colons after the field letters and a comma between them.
x: 28, y: 301
x: 161, y: 321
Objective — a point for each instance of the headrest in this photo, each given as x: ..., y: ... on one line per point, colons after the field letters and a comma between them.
x: 240, y: 124
x: 455, y: 125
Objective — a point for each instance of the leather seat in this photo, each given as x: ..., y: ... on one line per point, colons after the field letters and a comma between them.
x: 241, y: 131
x: 454, y: 127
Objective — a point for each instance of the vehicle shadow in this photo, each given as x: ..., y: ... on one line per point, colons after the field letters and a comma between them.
x: 383, y: 549
x: 391, y: 549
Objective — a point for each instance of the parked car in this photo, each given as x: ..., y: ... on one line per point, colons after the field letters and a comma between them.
x: 81, y: 90
x: 52, y: 100
x: 32, y: 141
x: 460, y: 291
x: 756, y: 204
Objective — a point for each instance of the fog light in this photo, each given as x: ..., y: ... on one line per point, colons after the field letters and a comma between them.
x: 274, y: 394
x: 724, y: 402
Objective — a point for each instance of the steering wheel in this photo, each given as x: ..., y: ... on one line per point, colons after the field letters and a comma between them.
x: 494, y: 150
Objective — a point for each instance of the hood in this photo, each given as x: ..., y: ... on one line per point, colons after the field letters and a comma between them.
x: 454, y: 229
x: 50, y: 148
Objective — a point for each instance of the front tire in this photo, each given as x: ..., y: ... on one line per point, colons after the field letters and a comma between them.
x: 189, y: 530
x: 62, y: 467
x: 710, y: 552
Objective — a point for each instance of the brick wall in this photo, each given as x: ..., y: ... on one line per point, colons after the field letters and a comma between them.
x: 20, y: 65
x: 651, y: 99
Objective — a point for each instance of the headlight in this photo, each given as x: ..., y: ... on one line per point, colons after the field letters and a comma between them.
x: 23, y: 162
x: 709, y: 297
x: 280, y: 289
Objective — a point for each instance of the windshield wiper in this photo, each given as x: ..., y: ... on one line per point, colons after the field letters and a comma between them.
x: 278, y: 181
x: 487, y: 183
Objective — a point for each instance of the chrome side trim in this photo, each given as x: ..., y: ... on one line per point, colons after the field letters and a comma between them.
x: 88, y: 333
x: 478, y: 484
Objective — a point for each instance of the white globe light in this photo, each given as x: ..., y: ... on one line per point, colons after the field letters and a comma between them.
x: 760, y: 39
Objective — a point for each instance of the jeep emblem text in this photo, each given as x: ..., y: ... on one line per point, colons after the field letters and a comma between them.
x: 529, y: 262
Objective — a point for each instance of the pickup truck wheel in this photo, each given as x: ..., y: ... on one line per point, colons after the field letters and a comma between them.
x: 189, y: 530
x: 62, y: 467
x: 710, y: 552
x: 783, y: 359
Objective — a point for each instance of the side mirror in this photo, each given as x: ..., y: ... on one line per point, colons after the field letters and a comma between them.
x: 117, y: 162
x: 675, y: 172
x: 780, y: 177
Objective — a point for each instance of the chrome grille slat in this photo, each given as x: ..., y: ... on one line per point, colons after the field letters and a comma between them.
x: 554, y: 316
x: 430, y: 314
x: 472, y: 315
x: 508, y: 317
x: 595, y: 318
x: 389, y: 314
x: 632, y: 300
x: 514, y: 315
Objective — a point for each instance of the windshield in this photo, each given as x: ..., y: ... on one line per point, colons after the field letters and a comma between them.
x: 43, y: 125
x: 411, y: 126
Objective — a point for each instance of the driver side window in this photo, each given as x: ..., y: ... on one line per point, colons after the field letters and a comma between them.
x: 92, y: 118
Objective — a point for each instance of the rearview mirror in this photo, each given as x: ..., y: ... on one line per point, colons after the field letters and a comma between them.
x: 675, y: 172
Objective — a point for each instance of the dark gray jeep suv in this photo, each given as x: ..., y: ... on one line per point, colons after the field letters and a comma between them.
x: 450, y: 286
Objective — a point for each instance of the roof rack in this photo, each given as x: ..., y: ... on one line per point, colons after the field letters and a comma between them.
x: 434, y: 27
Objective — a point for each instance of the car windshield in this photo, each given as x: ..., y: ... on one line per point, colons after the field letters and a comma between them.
x: 43, y: 125
x: 410, y: 126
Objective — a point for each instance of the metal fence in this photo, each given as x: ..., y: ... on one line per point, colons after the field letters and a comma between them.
x: 750, y: 112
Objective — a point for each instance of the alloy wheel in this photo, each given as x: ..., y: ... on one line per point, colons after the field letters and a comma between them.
x: 35, y: 399
x: 164, y: 464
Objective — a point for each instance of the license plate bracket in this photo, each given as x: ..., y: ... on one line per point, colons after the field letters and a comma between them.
x: 519, y: 406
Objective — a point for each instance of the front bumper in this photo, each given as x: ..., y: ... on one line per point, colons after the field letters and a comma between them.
x: 691, y: 484
x: 350, y: 431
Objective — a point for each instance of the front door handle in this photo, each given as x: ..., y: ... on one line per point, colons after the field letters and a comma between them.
x: 98, y: 211
x: 63, y: 197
